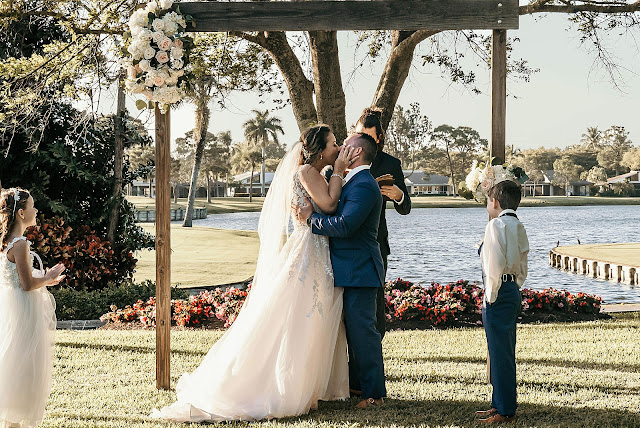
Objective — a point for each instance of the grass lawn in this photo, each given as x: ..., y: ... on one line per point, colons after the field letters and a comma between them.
x: 624, y: 254
x: 241, y: 204
x: 203, y: 256
x: 569, y: 375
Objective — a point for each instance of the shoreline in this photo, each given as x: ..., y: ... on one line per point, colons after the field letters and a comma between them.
x: 242, y: 204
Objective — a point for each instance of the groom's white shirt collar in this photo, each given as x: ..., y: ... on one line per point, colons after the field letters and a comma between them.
x: 354, y: 171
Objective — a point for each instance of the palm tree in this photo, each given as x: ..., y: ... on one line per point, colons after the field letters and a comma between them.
x: 247, y: 155
x: 592, y: 138
x: 259, y: 130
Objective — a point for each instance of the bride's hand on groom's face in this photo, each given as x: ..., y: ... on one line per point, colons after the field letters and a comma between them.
x: 347, y: 156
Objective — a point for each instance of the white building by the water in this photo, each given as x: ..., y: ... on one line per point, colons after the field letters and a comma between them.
x: 421, y: 183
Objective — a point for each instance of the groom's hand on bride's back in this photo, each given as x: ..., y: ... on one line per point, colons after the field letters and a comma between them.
x: 303, y: 212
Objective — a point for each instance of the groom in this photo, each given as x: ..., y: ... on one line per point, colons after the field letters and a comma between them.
x: 357, y: 267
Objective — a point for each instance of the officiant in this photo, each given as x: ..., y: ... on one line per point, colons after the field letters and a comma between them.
x: 388, y: 172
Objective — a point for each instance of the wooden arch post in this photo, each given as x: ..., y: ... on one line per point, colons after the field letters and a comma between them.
x: 498, y: 96
x: 163, y: 249
x: 327, y: 15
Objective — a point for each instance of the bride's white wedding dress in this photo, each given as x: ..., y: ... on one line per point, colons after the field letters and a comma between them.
x: 287, y: 348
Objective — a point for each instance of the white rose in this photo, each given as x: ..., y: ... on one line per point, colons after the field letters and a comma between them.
x: 165, y: 44
x: 152, y: 6
x: 170, y: 27
x: 158, y: 24
x: 145, y: 65
x: 149, y: 53
x: 148, y: 81
x: 162, y: 57
x: 158, y: 81
x: 177, y: 64
x: 177, y: 43
x: 171, y: 81
x: 176, y: 53
x: 145, y: 35
x: 158, y: 36
x: 166, y: 4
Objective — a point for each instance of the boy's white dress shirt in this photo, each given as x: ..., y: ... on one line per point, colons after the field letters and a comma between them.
x: 504, y: 250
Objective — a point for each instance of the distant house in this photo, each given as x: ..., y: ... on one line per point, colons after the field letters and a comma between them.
x: 545, y: 187
x: 633, y: 177
x: 240, y: 183
x: 420, y: 183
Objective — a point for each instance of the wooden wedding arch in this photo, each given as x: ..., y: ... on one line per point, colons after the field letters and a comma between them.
x: 496, y: 15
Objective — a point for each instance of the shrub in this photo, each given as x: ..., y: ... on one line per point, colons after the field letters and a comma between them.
x: 74, y: 304
x: 91, y: 262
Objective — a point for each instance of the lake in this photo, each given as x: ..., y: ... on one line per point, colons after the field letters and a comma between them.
x: 438, y: 244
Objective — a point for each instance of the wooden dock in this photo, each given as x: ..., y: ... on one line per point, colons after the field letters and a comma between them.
x: 614, y: 262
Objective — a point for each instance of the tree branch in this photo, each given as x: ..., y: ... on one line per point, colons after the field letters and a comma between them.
x: 609, y: 7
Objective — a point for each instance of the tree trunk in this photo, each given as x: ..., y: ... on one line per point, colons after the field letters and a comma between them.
x: 453, y: 180
x: 264, y: 154
x: 396, y: 70
x: 151, y: 186
x: 175, y: 193
x: 327, y: 81
x: 118, y: 156
x: 251, y: 185
x: 300, y: 88
x: 199, y: 136
x: 209, y: 189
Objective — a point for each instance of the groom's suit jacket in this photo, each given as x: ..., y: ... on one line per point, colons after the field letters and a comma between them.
x: 355, y: 253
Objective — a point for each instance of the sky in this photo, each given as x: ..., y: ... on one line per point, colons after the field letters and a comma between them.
x: 553, y: 109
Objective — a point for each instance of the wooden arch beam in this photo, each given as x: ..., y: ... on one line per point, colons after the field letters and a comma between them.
x: 353, y: 15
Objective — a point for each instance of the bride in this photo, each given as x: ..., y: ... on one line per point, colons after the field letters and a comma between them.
x: 287, y: 348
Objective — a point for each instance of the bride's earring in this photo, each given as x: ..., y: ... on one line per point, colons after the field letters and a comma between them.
x: 320, y: 156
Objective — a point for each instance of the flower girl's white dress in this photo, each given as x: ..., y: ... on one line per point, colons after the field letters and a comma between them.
x: 27, y: 323
x: 285, y: 351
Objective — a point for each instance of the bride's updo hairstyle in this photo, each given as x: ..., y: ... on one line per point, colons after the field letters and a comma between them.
x: 8, y: 209
x: 314, y: 141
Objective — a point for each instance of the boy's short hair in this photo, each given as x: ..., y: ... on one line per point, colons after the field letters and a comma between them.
x: 508, y: 193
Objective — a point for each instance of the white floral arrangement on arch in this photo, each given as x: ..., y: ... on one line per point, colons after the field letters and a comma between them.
x: 483, y: 177
x: 157, y: 54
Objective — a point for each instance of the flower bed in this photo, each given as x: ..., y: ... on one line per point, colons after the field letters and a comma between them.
x: 194, y: 311
x: 408, y: 305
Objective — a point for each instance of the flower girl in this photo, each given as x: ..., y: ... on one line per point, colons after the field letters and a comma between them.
x: 27, y: 316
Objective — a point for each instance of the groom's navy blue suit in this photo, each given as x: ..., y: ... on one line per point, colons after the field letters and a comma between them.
x: 358, y: 268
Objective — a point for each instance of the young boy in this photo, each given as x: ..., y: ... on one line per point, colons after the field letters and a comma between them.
x: 504, y: 269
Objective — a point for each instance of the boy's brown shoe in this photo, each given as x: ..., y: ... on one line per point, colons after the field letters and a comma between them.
x: 486, y: 413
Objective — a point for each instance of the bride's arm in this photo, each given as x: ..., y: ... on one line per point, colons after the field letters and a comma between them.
x: 327, y: 197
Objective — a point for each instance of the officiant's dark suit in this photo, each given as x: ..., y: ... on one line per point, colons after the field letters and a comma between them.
x: 383, y: 164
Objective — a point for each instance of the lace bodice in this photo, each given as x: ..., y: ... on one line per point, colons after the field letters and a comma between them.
x: 299, y: 194
x: 8, y: 270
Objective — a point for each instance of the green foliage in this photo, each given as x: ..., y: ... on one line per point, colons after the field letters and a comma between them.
x: 88, y: 305
x: 407, y: 134
x: 71, y: 174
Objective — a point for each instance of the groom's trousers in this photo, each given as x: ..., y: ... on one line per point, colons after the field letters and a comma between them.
x: 366, y: 367
x: 499, y: 320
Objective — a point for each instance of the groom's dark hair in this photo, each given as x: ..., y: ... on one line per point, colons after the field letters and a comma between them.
x: 368, y: 145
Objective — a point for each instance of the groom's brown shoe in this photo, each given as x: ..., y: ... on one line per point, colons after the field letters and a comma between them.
x: 498, y: 419
x: 486, y: 413
x: 370, y: 402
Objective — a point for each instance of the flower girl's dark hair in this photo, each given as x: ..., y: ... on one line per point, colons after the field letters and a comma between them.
x: 314, y: 141
x: 8, y: 210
